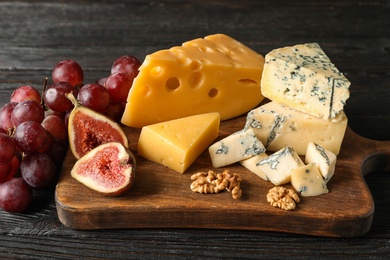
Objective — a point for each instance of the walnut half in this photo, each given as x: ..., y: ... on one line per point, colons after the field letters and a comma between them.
x: 282, y: 198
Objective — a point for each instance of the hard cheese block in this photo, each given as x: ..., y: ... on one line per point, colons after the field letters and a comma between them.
x: 324, y: 159
x: 308, y: 181
x: 214, y: 74
x: 278, y: 165
x: 178, y: 143
x: 235, y: 147
x: 303, y: 77
x: 278, y: 125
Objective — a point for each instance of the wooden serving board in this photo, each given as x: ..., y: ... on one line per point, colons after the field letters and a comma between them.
x: 162, y: 198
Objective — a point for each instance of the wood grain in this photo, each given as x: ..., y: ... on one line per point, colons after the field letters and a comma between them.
x: 161, y: 198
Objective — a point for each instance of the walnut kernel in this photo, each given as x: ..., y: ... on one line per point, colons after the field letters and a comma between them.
x: 282, y: 198
x: 212, y: 182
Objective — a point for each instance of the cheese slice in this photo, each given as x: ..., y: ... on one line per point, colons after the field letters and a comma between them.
x: 303, y: 77
x: 278, y: 165
x: 324, y: 160
x: 211, y: 74
x: 178, y: 143
x: 235, y: 147
x: 278, y: 125
x: 251, y: 164
x: 308, y: 181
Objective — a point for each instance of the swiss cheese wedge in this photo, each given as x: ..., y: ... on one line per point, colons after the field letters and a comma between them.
x: 178, y: 143
x: 212, y: 74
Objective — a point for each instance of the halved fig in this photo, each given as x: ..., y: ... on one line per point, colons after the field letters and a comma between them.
x: 88, y: 129
x: 108, y: 169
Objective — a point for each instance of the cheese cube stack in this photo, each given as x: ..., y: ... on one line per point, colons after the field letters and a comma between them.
x: 324, y: 159
x: 278, y: 126
x: 178, y: 143
x: 278, y: 165
x: 211, y: 74
x: 235, y: 147
x: 307, y: 180
x: 304, y: 78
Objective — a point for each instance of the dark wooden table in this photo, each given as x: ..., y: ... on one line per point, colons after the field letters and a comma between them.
x: 35, y: 35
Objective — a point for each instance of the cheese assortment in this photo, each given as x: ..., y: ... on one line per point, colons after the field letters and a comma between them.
x: 181, y: 94
x: 178, y: 143
x: 305, y: 116
x: 212, y: 74
x: 304, y: 78
x: 278, y: 126
x: 235, y: 147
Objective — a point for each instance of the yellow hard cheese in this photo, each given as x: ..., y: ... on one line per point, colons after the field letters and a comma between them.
x: 278, y: 125
x: 178, y: 143
x: 303, y: 77
x: 211, y: 74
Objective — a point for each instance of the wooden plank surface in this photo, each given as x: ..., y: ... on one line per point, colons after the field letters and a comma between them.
x: 161, y: 198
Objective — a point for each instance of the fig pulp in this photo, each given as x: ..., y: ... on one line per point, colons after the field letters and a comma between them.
x: 88, y: 129
x: 108, y: 169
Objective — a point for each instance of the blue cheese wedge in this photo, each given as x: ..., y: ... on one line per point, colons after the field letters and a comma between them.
x: 277, y: 126
x: 251, y: 164
x: 278, y: 165
x: 307, y: 180
x: 304, y: 78
x: 324, y: 160
x: 235, y: 147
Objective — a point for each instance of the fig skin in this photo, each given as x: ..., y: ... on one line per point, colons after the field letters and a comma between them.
x: 88, y: 129
x: 108, y: 169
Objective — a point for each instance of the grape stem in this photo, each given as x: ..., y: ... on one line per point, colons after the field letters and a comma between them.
x: 43, y: 91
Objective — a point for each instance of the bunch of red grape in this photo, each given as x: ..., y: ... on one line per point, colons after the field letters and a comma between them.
x: 33, y: 127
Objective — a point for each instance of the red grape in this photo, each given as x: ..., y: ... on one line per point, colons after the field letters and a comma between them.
x: 38, y: 170
x: 54, y: 96
x: 94, y: 96
x: 15, y: 195
x: 49, y: 112
x: 5, y: 171
x: 118, y: 85
x: 115, y: 111
x: 8, y: 171
x: 25, y: 93
x: 56, y: 126
x: 68, y: 71
x: 5, y: 116
x: 58, y: 152
x: 101, y: 81
x: 30, y: 136
x: 127, y: 65
x: 7, y: 148
x: 27, y: 110
x: 47, y: 144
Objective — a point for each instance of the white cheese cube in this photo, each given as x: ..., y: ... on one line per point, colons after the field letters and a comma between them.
x: 324, y: 159
x: 278, y: 165
x: 251, y: 164
x: 235, y: 147
x: 308, y: 181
